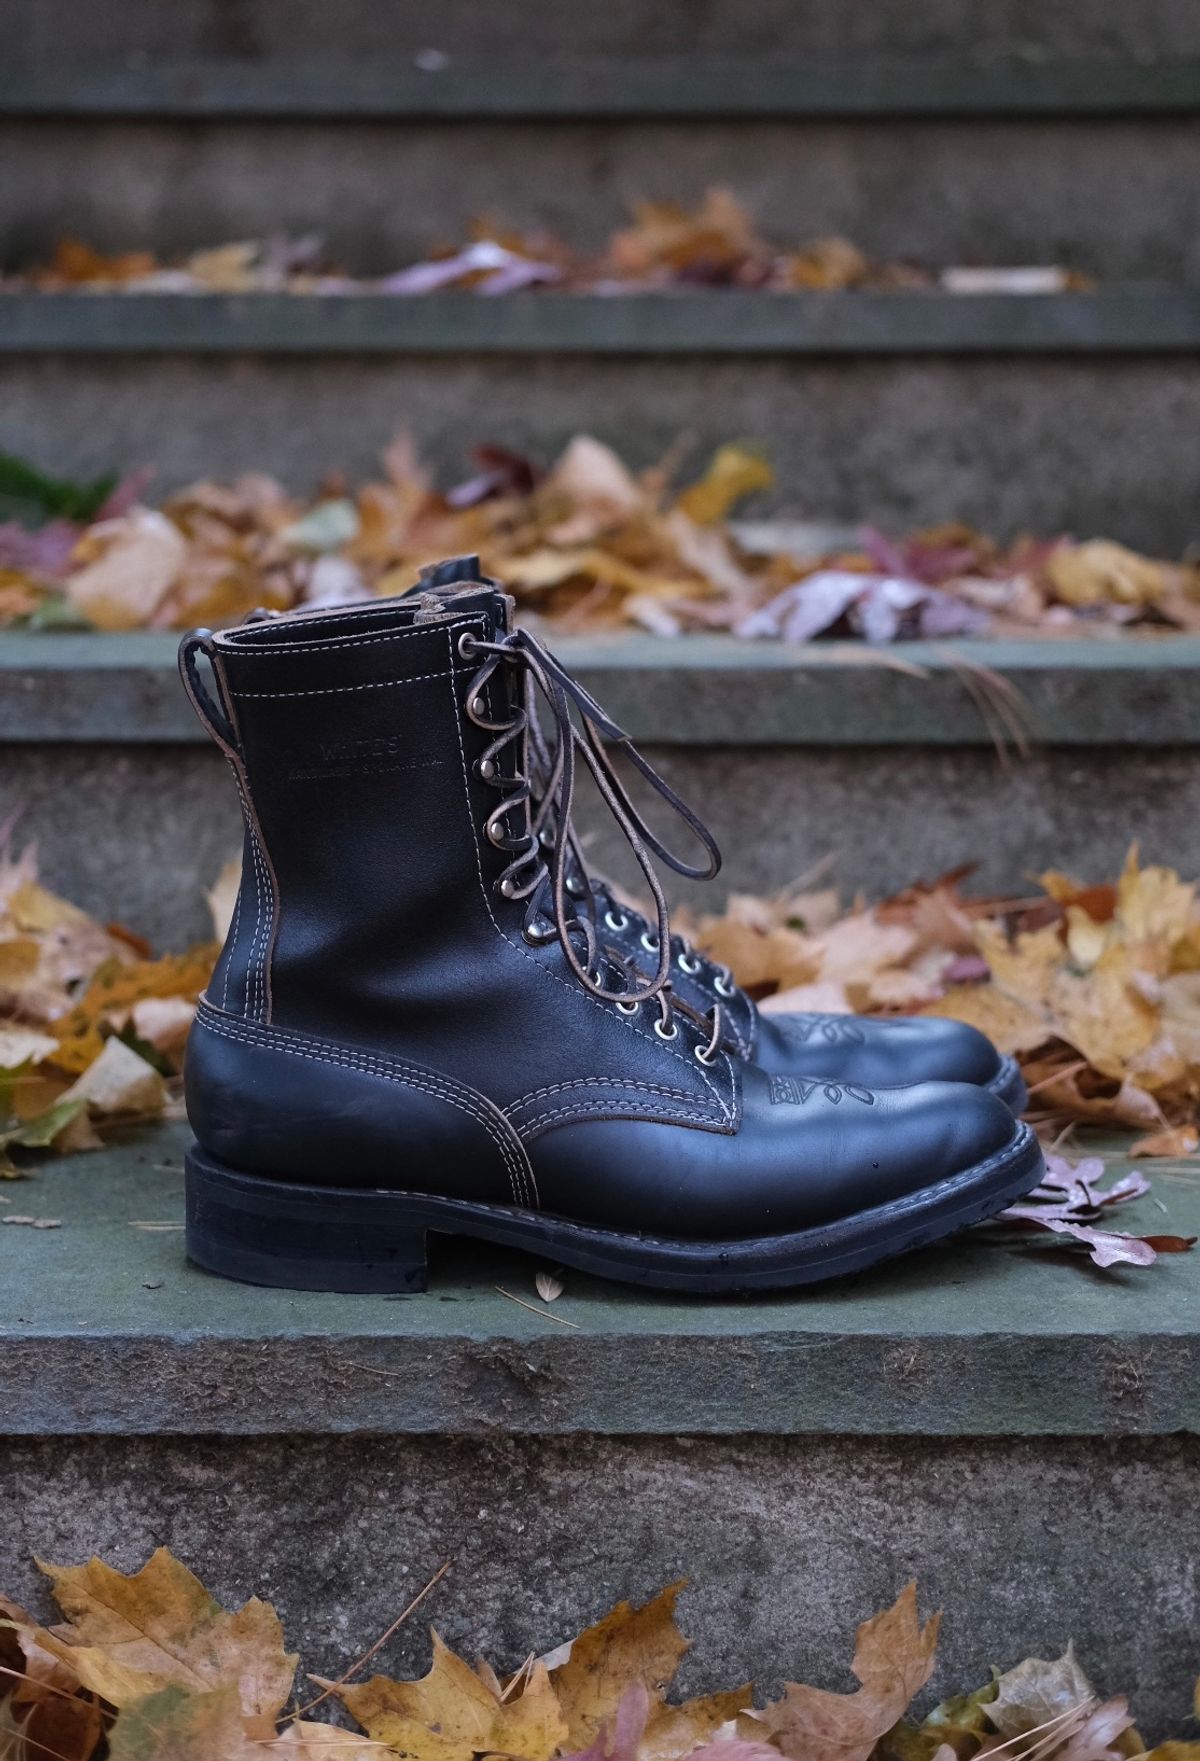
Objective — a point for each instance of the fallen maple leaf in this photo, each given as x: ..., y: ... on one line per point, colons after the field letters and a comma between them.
x: 453, y: 1714
x: 893, y: 1659
x: 630, y: 1644
x: 129, y: 1637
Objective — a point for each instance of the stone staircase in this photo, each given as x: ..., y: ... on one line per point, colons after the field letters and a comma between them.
x: 1019, y: 1435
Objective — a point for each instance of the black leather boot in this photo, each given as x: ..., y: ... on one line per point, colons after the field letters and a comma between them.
x: 878, y: 1053
x: 414, y: 1030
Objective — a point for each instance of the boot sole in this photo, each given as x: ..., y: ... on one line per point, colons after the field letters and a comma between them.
x: 264, y: 1231
x: 1008, y: 1085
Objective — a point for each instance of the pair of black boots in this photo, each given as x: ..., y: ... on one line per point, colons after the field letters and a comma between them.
x: 429, y: 1018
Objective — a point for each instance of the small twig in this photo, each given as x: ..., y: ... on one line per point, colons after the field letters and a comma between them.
x: 545, y: 1313
x: 366, y: 1657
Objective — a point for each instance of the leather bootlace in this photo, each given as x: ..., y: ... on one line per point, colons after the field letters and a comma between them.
x: 555, y: 905
x: 551, y: 828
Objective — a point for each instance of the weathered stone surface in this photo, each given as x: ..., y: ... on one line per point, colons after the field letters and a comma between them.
x: 137, y: 832
x: 788, y: 1542
x: 1113, y: 198
x: 1008, y: 444
x: 255, y: 35
x: 108, y: 1330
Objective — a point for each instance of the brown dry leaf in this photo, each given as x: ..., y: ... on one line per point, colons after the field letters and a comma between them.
x: 1101, y: 571
x: 115, y: 990
x: 893, y: 1659
x: 548, y: 1287
x: 135, y: 561
x: 120, y: 1081
x: 452, y: 1714
x: 1177, y: 1140
x: 130, y: 1636
x: 1036, y: 1691
x: 629, y: 1645
x: 673, y: 1732
x: 1012, y: 1025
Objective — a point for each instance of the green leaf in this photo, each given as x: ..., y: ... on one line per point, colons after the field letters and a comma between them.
x: 32, y: 497
x: 39, y: 1132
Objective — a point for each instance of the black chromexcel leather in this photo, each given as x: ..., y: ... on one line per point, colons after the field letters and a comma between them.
x: 416, y: 1027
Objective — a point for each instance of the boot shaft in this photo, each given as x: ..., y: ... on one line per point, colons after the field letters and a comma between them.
x: 384, y: 816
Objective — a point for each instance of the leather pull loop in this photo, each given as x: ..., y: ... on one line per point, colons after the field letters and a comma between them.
x: 213, y: 712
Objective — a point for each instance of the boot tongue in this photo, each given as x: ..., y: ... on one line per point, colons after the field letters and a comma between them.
x: 458, y: 585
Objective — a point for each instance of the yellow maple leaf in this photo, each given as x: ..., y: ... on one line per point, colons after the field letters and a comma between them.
x: 453, y: 1714
x: 629, y: 1645
x: 735, y: 471
x: 132, y: 1636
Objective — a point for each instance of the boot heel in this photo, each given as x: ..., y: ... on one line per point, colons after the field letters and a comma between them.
x: 264, y: 1231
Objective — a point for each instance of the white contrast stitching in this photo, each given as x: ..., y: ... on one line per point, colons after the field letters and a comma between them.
x: 341, y: 690
x: 307, y: 648
x: 555, y: 1088
x: 428, y: 1082
x: 250, y: 1004
x: 619, y: 1109
x: 575, y: 990
x: 233, y: 936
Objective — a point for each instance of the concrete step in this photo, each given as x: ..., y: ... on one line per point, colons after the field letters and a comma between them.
x: 798, y: 1458
x: 1114, y: 198
x: 791, y: 755
x: 257, y: 42
x: 1080, y: 442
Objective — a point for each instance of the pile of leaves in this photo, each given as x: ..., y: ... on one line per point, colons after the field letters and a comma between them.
x: 150, y: 1667
x: 1094, y: 987
x: 666, y: 245
x: 92, y: 1028
x: 586, y: 544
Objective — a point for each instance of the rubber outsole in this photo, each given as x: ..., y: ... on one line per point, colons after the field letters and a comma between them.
x: 261, y: 1230
x: 1008, y: 1085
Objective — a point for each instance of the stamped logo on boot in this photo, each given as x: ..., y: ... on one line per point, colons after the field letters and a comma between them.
x: 795, y: 1090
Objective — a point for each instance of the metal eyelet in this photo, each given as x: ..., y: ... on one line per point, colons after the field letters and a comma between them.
x: 485, y: 768
x: 538, y: 934
x: 546, y: 838
x: 477, y: 707
x: 664, y: 1033
x: 495, y: 834
x: 467, y: 645
x: 575, y: 887
x: 702, y: 1057
x: 723, y: 987
x: 508, y: 888
x: 628, y: 1008
x: 649, y: 942
x: 688, y: 964
x: 616, y: 920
